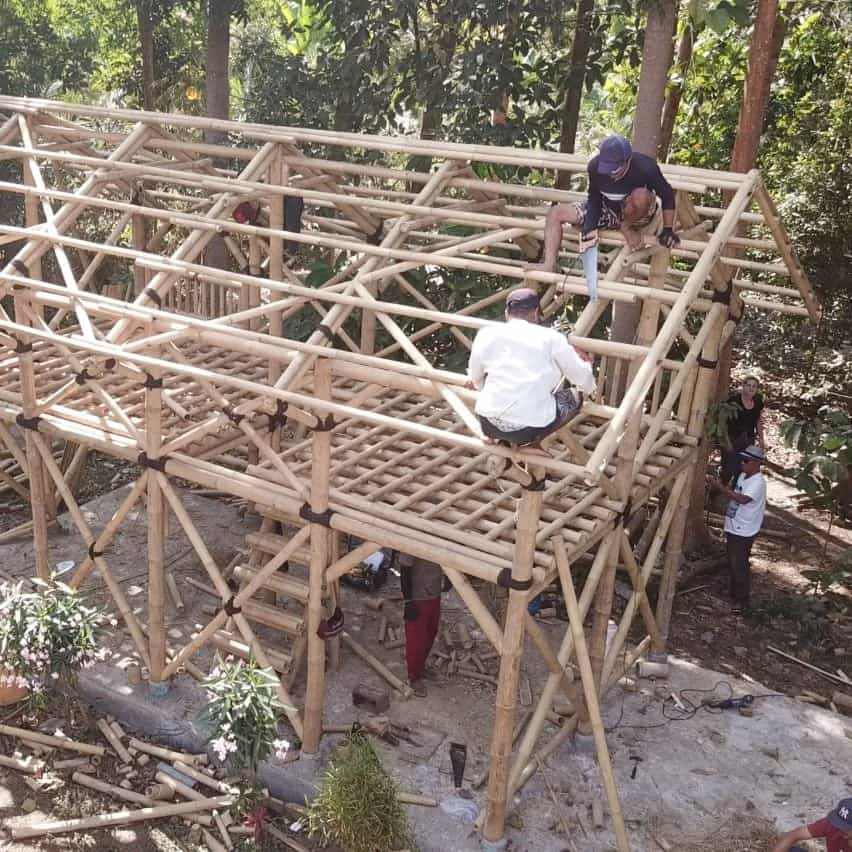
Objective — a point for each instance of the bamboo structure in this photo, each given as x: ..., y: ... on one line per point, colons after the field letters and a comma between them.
x: 316, y: 378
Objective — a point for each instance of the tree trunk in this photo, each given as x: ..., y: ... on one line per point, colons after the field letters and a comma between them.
x: 145, y: 22
x: 766, y: 43
x: 657, y: 56
x: 218, y: 86
x: 218, y: 60
x: 574, y: 84
x: 675, y: 92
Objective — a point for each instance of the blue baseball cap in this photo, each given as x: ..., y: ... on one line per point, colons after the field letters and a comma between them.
x: 841, y: 816
x: 615, y: 151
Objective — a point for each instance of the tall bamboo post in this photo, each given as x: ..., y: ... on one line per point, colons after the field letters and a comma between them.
x: 276, y: 176
x: 139, y: 234
x: 321, y: 464
x: 35, y: 468
x: 156, y: 528
x: 510, y: 662
x: 31, y: 216
x: 702, y: 397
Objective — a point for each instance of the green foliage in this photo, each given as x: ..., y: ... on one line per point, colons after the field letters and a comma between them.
x: 717, y: 420
x: 243, y: 710
x: 826, y: 446
x: 45, y: 635
x: 357, y: 806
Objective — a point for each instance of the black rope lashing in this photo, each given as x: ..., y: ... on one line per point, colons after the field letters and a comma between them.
x: 232, y: 415
x: 21, y: 267
x: 230, y: 607
x: 708, y: 363
x: 376, y: 237
x: 21, y: 347
x: 30, y: 423
x: 506, y: 581
x: 154, y: 464
x: 327, y: 332
x: 536, y: 484
x: 154, y: 296
x: 110, y: 363
x: 306, y: 513
x: 332, y: 625
x: 325, y: 425
x: 82, y: 377
x: 279, y: 417
x: 152, y: 383
x: 724, y: 296
x: 626, y: 513
x: 94, y: 554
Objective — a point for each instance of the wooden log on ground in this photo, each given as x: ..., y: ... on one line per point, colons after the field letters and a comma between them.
x: 47, y: 739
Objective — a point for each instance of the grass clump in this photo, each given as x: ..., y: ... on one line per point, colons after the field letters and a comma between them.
x: 357, y: 806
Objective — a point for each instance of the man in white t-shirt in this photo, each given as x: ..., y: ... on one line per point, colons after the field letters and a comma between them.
x: 743, y: 520
x: 519, y: 367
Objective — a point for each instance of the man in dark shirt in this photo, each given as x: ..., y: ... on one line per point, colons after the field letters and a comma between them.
x: 616, y: 176
x: 835, y: 828
x: 744, y: 427
x: 421, y: 582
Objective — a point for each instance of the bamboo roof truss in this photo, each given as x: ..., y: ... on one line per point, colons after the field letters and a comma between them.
x: 328, y: 406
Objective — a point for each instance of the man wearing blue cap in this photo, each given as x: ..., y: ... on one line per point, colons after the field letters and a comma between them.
x: 835, y: 829
x: 743, y: 521
x: 626, y: 191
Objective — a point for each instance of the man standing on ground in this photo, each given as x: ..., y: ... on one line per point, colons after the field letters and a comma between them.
x: 835, y: 828
x: 421, y: 582
x: 614, y: 176
x: 743, y: 520
x: 519, y: 367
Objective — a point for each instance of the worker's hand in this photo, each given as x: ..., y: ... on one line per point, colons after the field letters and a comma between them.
x: 585, y: 356
x: 469, y: 384
x: 668, y: 238
x: 633, y: 239
x: 587, y: 240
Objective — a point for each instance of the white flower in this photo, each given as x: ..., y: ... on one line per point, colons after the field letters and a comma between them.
x: 281, y: 748
x: 223, y: 746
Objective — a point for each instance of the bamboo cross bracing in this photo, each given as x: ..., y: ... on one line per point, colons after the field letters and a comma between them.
x: 333, y: 397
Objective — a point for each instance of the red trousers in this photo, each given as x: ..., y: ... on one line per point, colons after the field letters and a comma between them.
x: 420, y: 634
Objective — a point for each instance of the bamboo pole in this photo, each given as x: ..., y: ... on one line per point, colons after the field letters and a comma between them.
x: 34, y: 468
x: 85, y: 780
x: 155, y: 511
x: 590, y: 691
x: 50, y: 740
x: 62, y: 826
x: 321, y: 462
x: 507, y: 687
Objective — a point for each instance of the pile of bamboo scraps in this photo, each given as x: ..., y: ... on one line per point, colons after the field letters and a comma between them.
x: 160, y: 783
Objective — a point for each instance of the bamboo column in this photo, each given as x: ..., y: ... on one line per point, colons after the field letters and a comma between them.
x: 510, y: 662
x: 277, y: 174
x: 321, y: 458
x: 156, y: 530
x: 35, y: 468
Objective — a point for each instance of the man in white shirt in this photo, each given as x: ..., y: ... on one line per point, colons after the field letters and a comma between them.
x: 519, y: 368
x: 743, y: 520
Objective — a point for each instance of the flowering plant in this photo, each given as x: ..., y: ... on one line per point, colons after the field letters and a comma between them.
x: 45, y: 634
x: 243, y: 710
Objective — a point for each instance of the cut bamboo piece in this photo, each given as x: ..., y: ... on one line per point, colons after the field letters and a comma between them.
x: 112, y: 790
x: 62, y: 826
x: 379, y: 667
x: 167, y: 754
x: 47, y: 739
x: 114, y: 741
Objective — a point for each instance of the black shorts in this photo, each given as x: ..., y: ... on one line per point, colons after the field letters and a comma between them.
x: 567, y: 405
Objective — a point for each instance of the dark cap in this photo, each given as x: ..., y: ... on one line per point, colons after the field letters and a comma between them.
x: 841, y: 816
x: 523, y: 297
x: 615, y: 151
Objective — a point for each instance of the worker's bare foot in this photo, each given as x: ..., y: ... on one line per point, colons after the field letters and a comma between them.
x: 418, y: 688
x: 495, y: 465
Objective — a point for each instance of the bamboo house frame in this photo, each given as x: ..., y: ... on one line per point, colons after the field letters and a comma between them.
x: 188, y: 370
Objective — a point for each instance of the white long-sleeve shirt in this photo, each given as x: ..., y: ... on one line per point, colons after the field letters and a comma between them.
x: 518, y: 366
